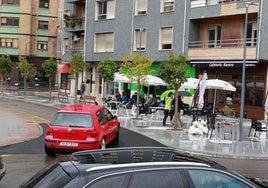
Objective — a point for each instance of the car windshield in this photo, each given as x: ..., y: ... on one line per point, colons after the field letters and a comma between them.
x: 72, y: 120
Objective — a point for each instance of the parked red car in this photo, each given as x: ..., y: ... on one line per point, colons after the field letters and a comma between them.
x: 81, y: 127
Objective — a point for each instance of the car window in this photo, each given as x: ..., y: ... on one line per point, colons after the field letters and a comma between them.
x: 156, y: 179
x: 108, y: 114
x: 101, y: 118
x: 114, y: 181
x: 72, y: 119
x: 53, y: 177
x: 214, y: 179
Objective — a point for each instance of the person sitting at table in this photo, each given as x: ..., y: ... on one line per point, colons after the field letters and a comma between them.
x: 118, y: 97
x: 124, y: 97
x: 153, y: 101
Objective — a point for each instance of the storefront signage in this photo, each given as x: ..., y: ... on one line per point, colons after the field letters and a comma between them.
x: 222, y: 64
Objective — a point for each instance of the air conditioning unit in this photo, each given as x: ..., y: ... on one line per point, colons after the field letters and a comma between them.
x: 76, y: 38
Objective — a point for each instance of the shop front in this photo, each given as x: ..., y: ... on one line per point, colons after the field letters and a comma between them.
x: 255, y: 86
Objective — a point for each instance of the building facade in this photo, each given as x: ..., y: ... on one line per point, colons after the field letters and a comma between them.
x: 30, y: 30
x: 111, y: 29
x: 210, y: 33
x: 216, y: 44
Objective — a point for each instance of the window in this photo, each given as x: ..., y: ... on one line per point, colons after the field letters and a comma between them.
x: 104, y: 42
x: 203, y: 178
x: 141, y: 7
x: 9, y: 43
x: 166, y: 35
x: 104, y: 9
x: 42, y: 45
x: 14, y: 2
x: 44, y: 4
x: 167, y: 5
x: 43, y: 25
x: 140, y: 41
x: 8, y: 21
x: 252, y: 32
x: 214, y: 36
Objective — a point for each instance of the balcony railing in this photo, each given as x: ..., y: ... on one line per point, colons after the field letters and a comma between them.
x: 229, y: 43
x: 211, y: 2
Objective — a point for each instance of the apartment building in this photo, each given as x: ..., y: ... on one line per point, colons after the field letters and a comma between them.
x: 210, y: 32
x: 28, y: 29
x: 114, y: 28
x: 216, y: 44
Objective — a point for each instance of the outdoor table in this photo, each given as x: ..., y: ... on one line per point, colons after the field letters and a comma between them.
x: 222, y: 125
x: 155, y: 112
x: 114, y: 106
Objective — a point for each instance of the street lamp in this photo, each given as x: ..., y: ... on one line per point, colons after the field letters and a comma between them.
x: 242, y: 102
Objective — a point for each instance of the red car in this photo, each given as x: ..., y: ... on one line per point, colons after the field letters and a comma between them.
x: 81, y: 127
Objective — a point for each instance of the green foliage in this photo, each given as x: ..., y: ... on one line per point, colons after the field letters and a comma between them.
x: 5, y: 65
x: 172, y: 71
x: 26, y: 69
x: 50, y: 67
x: 107, y: 68
x: 77, y: 65
x: 136, y: 67
x: 72, y: 20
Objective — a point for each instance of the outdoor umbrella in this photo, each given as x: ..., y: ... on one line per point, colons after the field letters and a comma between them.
x: 153, y: 81
x: 202, y: 88
x: 119, y: 77
x: 191, y: 83
x: 218, y: 84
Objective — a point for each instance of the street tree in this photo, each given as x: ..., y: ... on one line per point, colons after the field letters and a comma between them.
x: 106, y: 69
x: 5, y: 68
x: 172, y: 71
x: 27, y: 70
x: 136, y: 67
x: 77, y: 66
x: 50, y: 68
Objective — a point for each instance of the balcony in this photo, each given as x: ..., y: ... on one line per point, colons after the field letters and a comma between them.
x: 232, y: 49
x: 74, y: 23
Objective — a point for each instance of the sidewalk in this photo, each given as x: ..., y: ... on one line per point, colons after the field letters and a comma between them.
x: 179, y: 139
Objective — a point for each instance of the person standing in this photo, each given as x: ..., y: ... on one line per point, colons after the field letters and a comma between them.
x: 168, y: 111
x: 82, y: 90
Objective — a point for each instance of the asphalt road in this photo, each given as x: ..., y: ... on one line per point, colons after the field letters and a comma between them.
x: 27, y: 158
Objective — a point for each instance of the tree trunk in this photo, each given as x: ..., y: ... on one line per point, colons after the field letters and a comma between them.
x: 138, y: 98
x: 49, y: 87
x: 2, y: 81
x: 76, y: 88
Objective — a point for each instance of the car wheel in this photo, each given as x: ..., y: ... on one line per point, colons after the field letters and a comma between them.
x: 103, y: 144
x: 49, y: 151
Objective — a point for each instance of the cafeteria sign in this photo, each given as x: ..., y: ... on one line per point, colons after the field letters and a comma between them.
x: 227, y: 64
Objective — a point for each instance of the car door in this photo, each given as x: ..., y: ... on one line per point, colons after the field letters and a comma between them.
x: 111, y: 125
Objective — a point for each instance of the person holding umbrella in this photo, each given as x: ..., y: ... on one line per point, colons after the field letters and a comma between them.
x: 168, y: 109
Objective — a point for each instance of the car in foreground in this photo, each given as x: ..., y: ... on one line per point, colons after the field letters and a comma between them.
x: 137, y: 167
x: 2, y: 168
x: 77, y: 127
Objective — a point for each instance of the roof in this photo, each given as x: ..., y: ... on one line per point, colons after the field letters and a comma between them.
x: 80, y: 108
x: 139, y: 155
